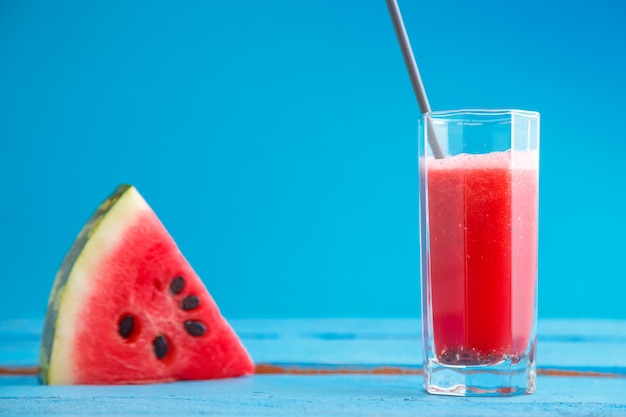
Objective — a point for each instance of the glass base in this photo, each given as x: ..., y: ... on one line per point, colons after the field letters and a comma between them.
x: 496, y: 380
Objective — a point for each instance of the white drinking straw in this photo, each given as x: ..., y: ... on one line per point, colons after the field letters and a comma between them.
x: 414, y: 74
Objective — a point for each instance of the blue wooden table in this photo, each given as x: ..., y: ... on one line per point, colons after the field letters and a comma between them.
x: 348, y: 367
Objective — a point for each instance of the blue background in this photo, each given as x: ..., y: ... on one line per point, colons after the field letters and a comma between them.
x: 277, y: 140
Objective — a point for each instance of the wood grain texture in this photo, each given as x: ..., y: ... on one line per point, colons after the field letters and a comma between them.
x: 348, y: 367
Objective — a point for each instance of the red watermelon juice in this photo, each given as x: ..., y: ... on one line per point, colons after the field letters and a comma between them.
x: 482, y: 259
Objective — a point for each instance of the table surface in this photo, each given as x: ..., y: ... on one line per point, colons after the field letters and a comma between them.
x: 348, y: 367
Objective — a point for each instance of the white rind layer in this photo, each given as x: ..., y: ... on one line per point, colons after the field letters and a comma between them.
x: 103, y: 238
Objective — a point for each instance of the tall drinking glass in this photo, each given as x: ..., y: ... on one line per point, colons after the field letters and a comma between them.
x: 478, y: 229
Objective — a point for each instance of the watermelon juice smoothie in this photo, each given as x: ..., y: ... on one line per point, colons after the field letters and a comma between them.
x: 479, y: 213
x: 483, y: 256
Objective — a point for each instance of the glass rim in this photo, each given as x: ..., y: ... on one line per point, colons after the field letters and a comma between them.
x: 481, y: 112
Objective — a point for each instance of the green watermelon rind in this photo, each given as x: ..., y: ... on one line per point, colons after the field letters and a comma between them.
x: 50, y: 323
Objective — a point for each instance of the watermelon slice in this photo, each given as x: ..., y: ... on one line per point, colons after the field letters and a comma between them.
x: 127, y: 308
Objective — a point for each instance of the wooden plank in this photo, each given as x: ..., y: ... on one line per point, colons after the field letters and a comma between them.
x: 347, y: 395
x: 324, y: 349
x: 563, y: 344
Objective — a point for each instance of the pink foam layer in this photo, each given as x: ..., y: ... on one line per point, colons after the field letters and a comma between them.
x: 492, y: 160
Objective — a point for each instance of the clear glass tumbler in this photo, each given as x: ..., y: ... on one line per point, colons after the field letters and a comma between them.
x: 479, y: 201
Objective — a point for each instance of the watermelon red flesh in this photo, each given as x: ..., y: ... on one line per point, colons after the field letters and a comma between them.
x: 132, y: 276
x: 135, y: 280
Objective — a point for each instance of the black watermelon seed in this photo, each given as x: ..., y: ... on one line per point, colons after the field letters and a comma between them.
x: 160, y: 346
x: 190, y: 302
x: 126, y: 326
x: 177, y: 284
x: 195, y: 328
